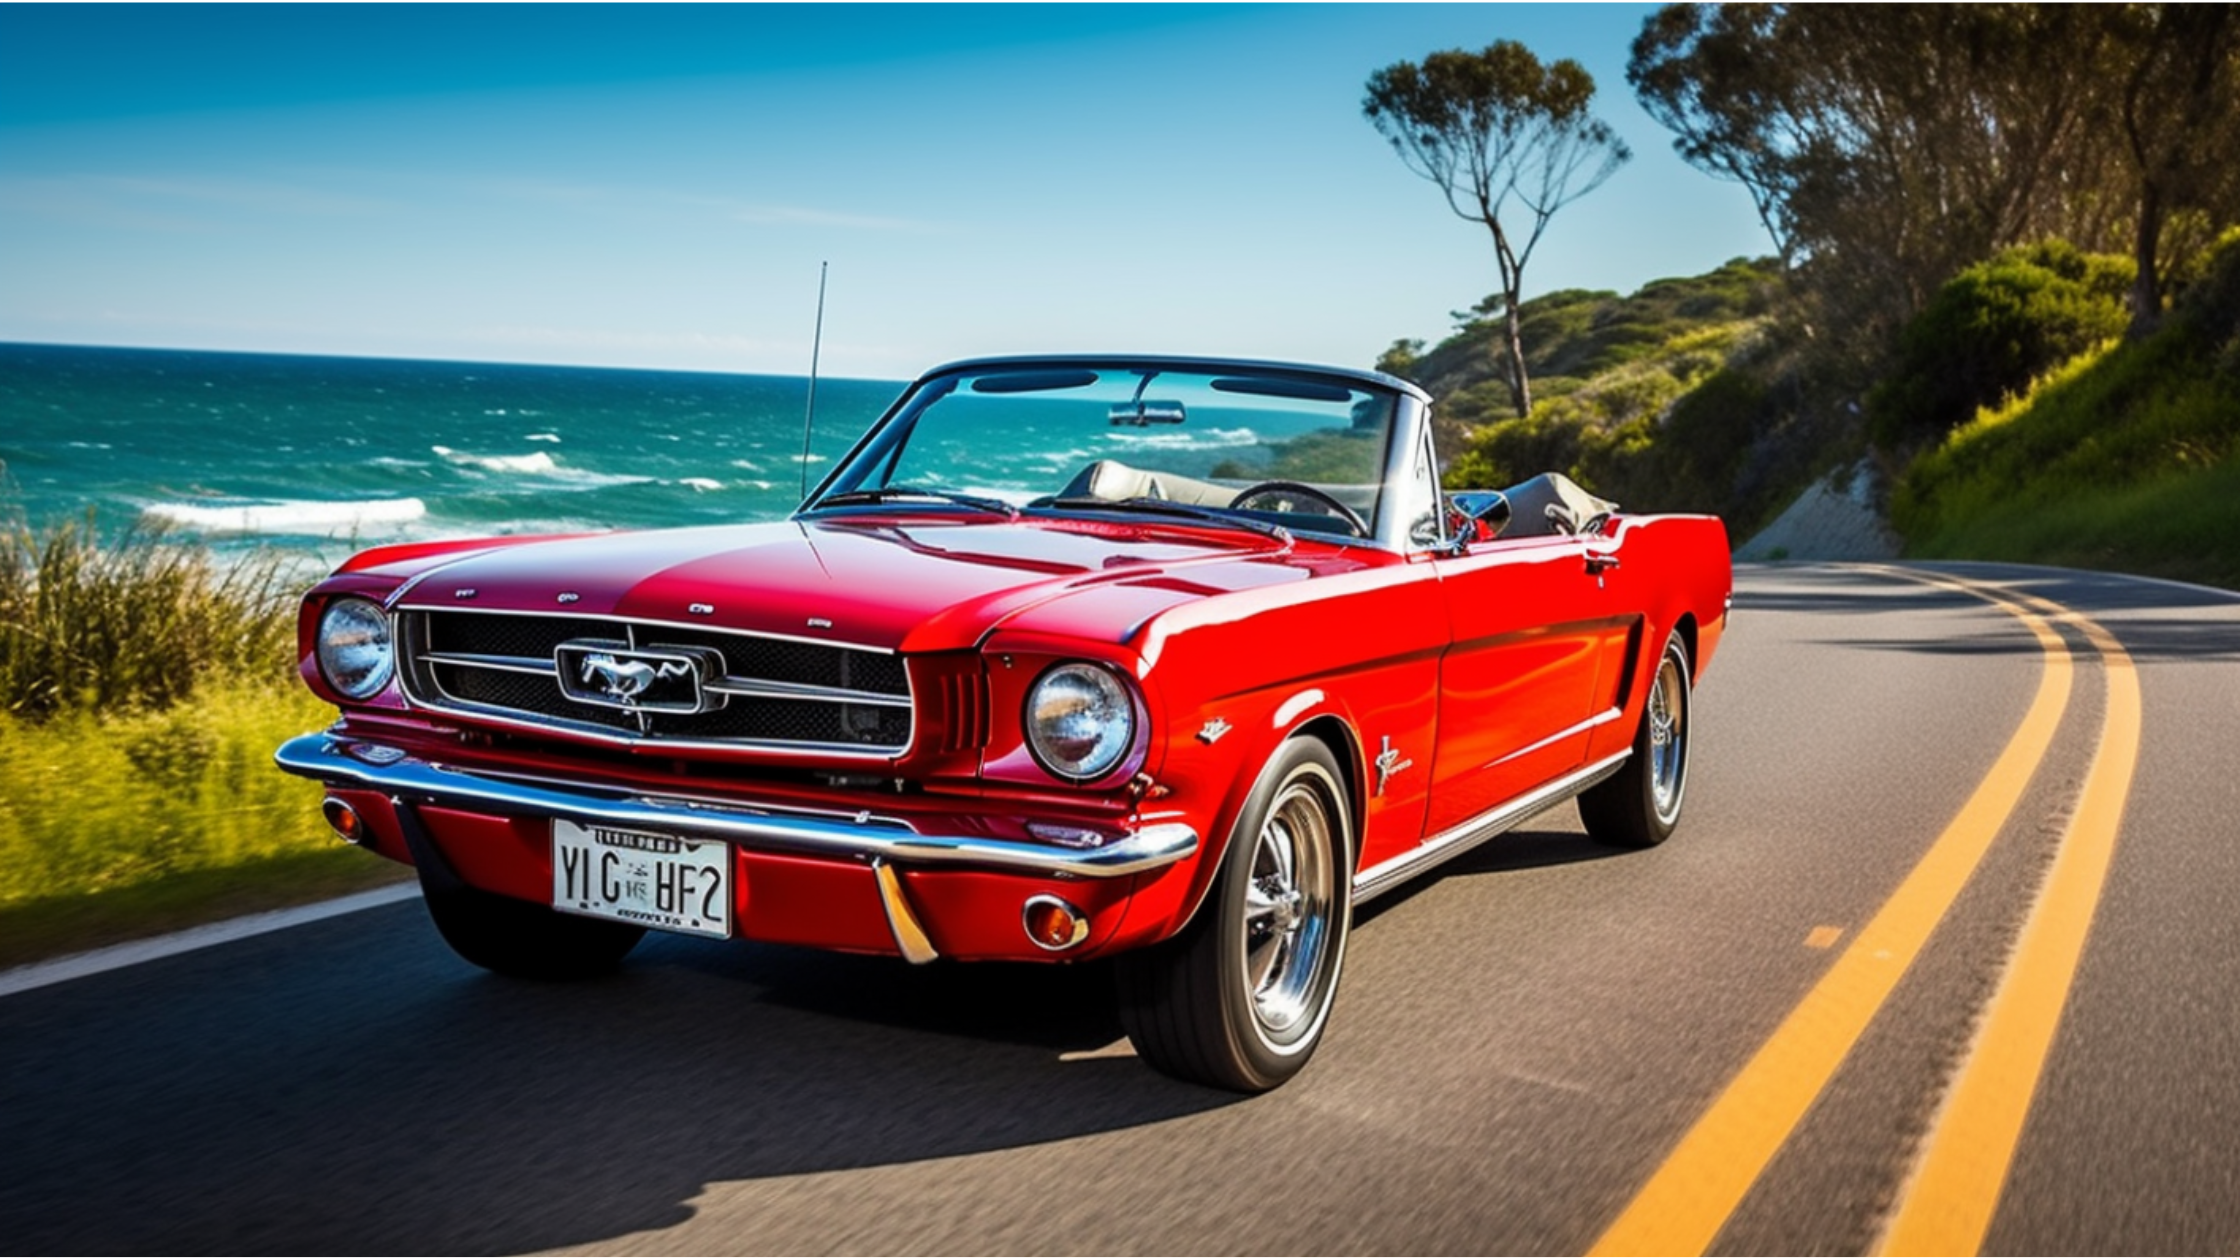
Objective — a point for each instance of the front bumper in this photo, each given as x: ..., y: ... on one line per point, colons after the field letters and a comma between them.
x: 339, y: 761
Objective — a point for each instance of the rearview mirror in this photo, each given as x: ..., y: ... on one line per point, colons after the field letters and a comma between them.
x: 1147, y: 411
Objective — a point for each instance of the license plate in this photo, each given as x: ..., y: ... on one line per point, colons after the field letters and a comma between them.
x: 641, y: 877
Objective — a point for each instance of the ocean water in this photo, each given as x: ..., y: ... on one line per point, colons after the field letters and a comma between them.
x: 320, y: 455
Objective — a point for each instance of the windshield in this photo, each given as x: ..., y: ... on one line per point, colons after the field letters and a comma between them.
x: 1255, y: 446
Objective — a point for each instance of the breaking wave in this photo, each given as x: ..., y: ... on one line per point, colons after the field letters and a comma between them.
x: 534, y: 462
x: 299, y: 516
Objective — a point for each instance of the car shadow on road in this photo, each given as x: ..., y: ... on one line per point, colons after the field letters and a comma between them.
x: 1521, y: 850
x: 358, y: 1090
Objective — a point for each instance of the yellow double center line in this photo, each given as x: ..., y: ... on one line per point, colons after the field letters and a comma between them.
x: 1964, y: 1161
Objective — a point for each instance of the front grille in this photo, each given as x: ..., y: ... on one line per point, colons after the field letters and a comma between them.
x: 751, y: 690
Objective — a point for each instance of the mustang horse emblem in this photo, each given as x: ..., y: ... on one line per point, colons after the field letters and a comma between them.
x: 627, y: 680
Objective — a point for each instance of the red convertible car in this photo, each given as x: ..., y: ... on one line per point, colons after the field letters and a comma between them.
x: 1169, y: 660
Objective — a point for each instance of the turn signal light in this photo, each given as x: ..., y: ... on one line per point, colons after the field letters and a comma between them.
x: 344, y: 820
x: 1054, y: 925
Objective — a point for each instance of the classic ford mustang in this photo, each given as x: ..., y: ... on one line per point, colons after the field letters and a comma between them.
x: 1169, y: 660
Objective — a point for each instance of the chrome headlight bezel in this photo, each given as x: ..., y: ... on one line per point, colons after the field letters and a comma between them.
x: 1081, y: 721
x: 356, y: 648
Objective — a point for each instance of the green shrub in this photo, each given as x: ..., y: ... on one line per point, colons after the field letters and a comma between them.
x: 1692, y: 460
x: 1990, y: 331
x: 1550, y: 439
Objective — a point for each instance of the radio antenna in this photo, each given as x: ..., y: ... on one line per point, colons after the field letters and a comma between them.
x: 816, y: 348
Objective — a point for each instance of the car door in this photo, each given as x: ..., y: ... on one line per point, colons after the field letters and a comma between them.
x: 1530, y: 624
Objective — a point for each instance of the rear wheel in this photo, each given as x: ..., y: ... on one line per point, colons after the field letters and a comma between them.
x: 1640, y: 804
x: 524, y: 939
x: 1239, y: 998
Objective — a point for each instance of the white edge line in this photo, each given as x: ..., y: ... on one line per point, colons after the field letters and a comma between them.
x: 133, y: 953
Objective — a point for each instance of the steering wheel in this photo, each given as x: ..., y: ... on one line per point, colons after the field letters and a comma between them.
x: 1288, y: 493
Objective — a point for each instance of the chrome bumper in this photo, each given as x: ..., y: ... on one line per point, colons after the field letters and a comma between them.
x: 338, y: 761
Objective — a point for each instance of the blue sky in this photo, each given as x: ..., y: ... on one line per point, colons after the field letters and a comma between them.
x: 655, y: 186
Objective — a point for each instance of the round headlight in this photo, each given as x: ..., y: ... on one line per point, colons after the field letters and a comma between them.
x: 1080, y: 721
x: 355, y: 653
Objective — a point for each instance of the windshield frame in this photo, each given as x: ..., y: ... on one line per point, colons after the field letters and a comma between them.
x: 1389, y: 529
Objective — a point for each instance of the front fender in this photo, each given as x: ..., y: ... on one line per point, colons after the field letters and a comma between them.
x: 1211, y: 786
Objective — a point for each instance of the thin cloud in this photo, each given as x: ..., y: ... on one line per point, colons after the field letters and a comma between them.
x: 831, y: 218
x: 629, y: 198
x: 712, y: 351
x: 169, y: 203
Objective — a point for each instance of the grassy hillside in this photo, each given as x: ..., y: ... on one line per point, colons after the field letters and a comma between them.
x: 1577, y: 334
x: 2126, y: 458
x: 1683, y: 396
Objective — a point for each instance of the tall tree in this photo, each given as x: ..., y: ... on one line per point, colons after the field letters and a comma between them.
x: 1705, y: 74
x: 1493, y: 128
x: 1889, y: 146
x: 2181, y: 126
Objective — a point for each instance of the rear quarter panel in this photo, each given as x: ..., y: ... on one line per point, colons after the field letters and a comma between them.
x: 1676, y: 574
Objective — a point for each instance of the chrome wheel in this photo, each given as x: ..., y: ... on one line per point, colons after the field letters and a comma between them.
x: 1639, y: 804
x: 1239, y: 998
x: 1287, y: 907
x: 1668, y: 744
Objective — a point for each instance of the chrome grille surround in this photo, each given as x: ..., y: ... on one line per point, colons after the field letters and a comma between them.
x: 755, y: 692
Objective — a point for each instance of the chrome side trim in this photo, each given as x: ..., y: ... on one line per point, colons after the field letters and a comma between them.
x: 1607, y: 715
x: 909, y: 935
x: 1467, y: 835
x: 339, y: 762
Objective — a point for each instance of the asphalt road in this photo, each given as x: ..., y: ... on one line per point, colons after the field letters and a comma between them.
x: 1526, y: 1040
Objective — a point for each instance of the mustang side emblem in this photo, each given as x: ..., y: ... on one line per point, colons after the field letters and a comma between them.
x: 1213, y: 730
x: 627, y: 680
x: 1389, y: 763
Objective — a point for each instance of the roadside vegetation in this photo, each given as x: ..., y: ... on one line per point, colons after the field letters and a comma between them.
x: 2002, y: 283
x: 142, y: 690
x: 2045, y: 476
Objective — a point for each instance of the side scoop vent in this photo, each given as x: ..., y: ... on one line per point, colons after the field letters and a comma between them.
x: 964, y: 703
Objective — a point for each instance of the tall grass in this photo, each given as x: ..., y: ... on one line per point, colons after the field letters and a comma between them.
x: 135, y: 624
x: 143, y: 687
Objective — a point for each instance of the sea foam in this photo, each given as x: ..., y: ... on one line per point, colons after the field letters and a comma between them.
x: 1207, y: 440
x: 296, y: 516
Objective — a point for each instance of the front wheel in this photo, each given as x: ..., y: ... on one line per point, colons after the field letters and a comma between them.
x: 1640, y: 804
x: 1238, y: 998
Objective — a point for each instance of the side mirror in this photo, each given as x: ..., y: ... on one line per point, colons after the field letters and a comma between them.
x: 1487, y: 509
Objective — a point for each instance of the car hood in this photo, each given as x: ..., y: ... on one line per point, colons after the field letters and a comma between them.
x: 913, y: 584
